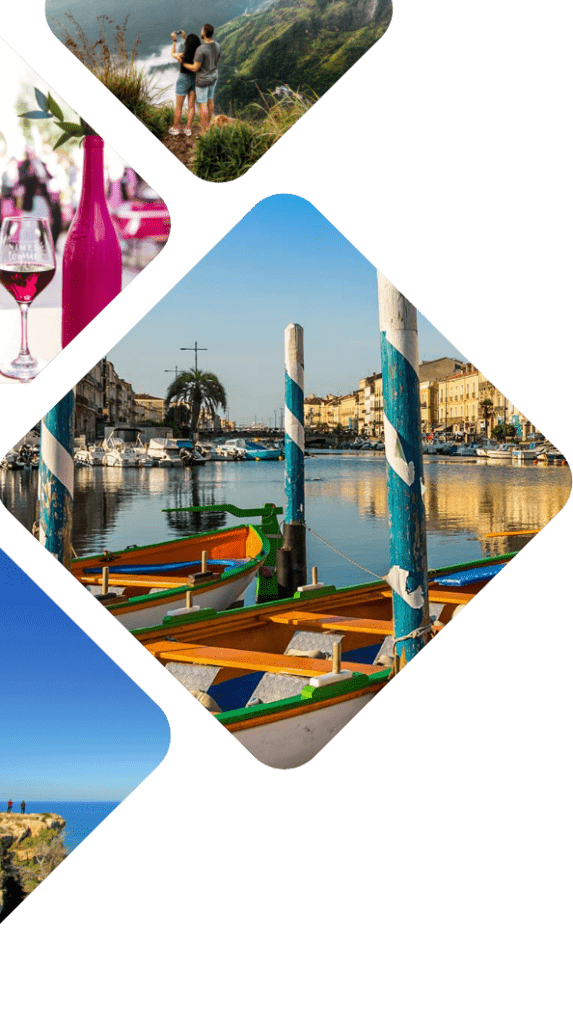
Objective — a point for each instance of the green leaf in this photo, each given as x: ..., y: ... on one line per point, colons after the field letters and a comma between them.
x: 42, y: 103
x: 73, y: 129
x: 54, y: 108
x: 88, y: 130
x: 63, y: 138
x: 36, y: 115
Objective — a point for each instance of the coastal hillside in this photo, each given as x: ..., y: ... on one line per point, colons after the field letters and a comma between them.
x: 306, y: 44
x: 31, y: 847
x: 146, y: 18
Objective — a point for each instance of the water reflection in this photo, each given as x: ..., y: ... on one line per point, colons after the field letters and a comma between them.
x: 346, y: 505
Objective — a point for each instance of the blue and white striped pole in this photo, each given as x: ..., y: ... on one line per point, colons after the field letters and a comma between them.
x: 294, y: 538
x: 408, y: 576
x: 56, y: 480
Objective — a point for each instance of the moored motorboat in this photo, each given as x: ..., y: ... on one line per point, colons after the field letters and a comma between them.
x: 254, y: 451
x: 120, y: 457
x: 140, y: 451
x: 12, y: 460
x: 190, y: 454
x: 485, y: 447
x: 503, y: 453
x: 163, y: 451
x: 270, y: 674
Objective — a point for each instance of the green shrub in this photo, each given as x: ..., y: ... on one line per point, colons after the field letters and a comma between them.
x: 45, y: 835
x: 225, y: 153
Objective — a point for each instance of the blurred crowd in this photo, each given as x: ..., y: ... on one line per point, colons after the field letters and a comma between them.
x: 47, y: 183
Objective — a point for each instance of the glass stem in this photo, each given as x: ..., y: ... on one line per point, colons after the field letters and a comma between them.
x: 24, y: 350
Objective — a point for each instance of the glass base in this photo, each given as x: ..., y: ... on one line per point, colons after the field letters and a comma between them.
x: 23, y: 368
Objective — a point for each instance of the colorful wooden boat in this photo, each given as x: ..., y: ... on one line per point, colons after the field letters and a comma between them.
x: 205, y: 571
x: 269, y: 672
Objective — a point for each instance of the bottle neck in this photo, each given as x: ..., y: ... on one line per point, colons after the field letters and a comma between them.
x: 93, y: 187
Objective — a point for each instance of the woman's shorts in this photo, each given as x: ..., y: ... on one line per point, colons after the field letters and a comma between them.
x: 205, y: 92
x: 185, y: 83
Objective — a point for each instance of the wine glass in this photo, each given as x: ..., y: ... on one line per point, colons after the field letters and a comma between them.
x: 27, y: 265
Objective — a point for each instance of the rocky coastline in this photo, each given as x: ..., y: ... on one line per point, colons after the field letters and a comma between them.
x: 31, y: 846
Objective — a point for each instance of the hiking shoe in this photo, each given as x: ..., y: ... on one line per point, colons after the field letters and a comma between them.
x: 174, y: 131
x: 187, y: 131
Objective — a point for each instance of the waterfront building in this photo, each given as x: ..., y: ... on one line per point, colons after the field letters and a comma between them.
x: 89, y: 404
x: 437, y: 369
x: 370, y: 416
x: 428, y: 404
x: 459, y: 403
x: 149, y: 409
x: 496, y: 409
x: 347, y: 411
x: 313, y: 411
x: 455, y: 398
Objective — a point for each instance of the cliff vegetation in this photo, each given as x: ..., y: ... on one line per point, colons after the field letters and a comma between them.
x: 31, y: 846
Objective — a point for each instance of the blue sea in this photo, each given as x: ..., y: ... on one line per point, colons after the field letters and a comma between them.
x: 81, y: 816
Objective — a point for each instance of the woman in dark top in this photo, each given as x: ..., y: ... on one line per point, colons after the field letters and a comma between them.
x: 185, y: 84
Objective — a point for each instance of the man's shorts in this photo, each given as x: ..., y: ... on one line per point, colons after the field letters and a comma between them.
x: 205, y: 92
x: 185, y: 83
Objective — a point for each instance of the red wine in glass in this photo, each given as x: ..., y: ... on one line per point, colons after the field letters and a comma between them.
x: 27, y: 265
x: 26, y: 281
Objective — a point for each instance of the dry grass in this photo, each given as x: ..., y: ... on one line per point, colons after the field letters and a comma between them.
x: 225, y: 152
x: 116, y: 67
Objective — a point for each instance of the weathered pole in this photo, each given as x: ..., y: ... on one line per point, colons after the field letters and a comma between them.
x: 408, y: 576
x: 294, y: 539
x: 56, y: 480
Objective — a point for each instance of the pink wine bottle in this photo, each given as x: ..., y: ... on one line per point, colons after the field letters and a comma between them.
x: 91, y: 265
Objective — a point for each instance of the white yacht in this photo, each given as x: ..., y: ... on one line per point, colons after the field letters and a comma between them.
x: 163, y: 451
x: 96, y: 453
x: 123, y: 458
x: 143, y: 459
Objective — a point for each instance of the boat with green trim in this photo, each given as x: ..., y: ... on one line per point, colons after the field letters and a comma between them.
x: 284, y: 677
x: 141, y: 585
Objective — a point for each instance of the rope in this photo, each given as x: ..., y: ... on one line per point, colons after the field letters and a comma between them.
x: 342, y: 555
x: 413, y: 635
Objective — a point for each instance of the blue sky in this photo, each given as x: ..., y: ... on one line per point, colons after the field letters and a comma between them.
x: 283, y: 262
x: 73, y: 726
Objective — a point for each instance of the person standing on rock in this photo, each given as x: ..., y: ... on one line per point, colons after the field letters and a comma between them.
x: 206, y: 69
x: 23, y: 807
x: 10, y: 802
x: 185, y: 84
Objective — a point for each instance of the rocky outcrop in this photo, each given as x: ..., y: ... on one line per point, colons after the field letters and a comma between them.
x: 31, y: 847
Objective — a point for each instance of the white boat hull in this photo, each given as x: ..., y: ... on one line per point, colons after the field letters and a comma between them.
x: 117, y: 459
x: 153, y: 613
x: 293, y: 741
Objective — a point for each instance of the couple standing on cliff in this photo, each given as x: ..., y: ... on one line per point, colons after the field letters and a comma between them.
x: 197, y: 78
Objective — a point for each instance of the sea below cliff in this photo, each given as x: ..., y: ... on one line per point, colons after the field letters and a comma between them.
x: 81, y: 816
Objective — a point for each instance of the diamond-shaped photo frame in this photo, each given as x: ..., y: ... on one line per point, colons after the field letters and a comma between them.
x: 78, y: 223
x: 219, y: 95
x: 286, y: 673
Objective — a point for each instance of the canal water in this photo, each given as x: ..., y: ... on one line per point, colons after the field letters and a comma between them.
x: 346, y: 506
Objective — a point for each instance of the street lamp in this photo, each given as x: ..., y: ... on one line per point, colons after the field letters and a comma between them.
x: 194, y: 348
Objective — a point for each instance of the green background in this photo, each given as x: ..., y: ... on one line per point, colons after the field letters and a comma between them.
x: 416, y: 869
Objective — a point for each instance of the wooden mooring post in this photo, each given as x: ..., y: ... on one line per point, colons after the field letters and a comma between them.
x: 56, y: 480
x: 291, y: 560
x: 408, y: 576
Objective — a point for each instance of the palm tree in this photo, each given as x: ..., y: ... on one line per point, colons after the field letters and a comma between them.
x: 487, y: 412
x: 198, y: 391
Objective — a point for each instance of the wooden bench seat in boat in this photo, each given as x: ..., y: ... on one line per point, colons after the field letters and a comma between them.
x: 251, y: 661
x: 338, y: 623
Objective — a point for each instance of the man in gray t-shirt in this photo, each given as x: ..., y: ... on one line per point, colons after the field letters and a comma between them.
x: 206, y: 71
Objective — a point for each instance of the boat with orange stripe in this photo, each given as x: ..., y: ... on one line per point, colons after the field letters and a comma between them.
x: 141, y: 585
x: 284, y: 677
